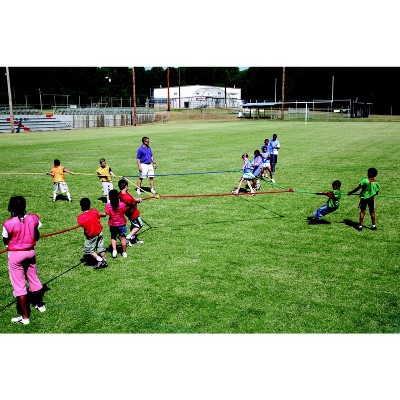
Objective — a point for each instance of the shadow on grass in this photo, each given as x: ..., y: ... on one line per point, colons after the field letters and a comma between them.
x: 312, y: 221
x: 352, y: 224
x: 31, y: 299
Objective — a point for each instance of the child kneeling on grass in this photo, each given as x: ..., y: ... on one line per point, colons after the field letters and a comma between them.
x: 89, y: 220
x: 333, y: 202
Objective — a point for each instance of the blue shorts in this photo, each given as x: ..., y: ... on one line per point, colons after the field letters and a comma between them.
x: 117, y: 231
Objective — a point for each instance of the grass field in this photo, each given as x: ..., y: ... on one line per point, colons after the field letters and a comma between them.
x: 215, y: 264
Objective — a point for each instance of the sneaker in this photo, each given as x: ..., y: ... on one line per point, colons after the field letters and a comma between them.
x: 114, y: 253
x: 359, y: 228
x: 138, y: 241
x: 252, y: 192
x: 41, y: 308
x: 104, y: 263
x: 124, y: 254
x: 54, y: 200
x: 152, y: 190
x: 272, y: 180
x: 20, y: 320
x: 98, y: 265
x: 234, y: 192
x: 138, y: 191
x: 128, y: 242
x: 70, y: 201
x: 373, y: 227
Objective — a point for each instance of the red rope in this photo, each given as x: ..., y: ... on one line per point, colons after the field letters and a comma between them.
x: 49, y: 234
x: 58, y: 232
x: 218, y: 194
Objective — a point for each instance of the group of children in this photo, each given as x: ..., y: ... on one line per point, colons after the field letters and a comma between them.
x: 262, y: 166
x: 369, y: 189
x: 21, y: 231
x: 121, y: 206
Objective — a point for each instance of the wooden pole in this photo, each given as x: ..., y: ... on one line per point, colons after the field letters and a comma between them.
x: 10, y: 104
x: 169, y: 106
x: 134, y: 97
x: 283, y: 94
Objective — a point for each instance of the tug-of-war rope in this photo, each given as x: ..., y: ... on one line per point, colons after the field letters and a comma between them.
x: 279, y: 189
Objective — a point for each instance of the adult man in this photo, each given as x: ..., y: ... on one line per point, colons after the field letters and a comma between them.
x: 145, y: 162
x: 275, y: 145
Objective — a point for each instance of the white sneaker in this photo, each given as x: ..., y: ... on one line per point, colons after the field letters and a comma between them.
x: 152, y: 190
x: 234, y: 192
x: 138, y: 241
x: 272, y: 180
x: 138, y: 191
x: 41, y: 309
x: 124, y: 254
x: 20, y: 320
x: 114, y: 253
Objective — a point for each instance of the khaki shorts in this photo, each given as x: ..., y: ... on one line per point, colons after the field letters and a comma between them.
x: 94, y: 244
x: 147, y: 170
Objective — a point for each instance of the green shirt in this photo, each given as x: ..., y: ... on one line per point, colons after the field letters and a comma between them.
x: 334, y: 201
x: 369, y: 188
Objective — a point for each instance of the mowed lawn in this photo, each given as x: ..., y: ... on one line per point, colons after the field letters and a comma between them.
x: 223, y: 264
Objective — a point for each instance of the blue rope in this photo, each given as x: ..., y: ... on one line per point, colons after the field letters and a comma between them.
x: 188, y: 173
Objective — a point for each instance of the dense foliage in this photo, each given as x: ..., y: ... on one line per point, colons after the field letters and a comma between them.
x: 85, y: 85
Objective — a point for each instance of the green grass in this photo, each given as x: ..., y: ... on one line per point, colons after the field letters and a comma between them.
x: 215, y: 264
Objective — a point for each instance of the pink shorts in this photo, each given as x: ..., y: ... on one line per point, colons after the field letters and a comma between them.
x: 21, y: 264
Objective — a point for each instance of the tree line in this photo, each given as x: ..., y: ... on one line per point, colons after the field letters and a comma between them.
x: 87, y: 85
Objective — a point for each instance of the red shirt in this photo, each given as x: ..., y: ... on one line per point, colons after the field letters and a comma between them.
x: 132, y: 211
x: 90, y: 222
x: 117, y: 218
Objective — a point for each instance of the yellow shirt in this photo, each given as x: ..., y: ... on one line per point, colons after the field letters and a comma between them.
x: 58, y: 174
x: 104, y: 171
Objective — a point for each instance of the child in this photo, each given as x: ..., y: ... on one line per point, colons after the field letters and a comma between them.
x: 57, y: 173
x: 247, y: 174
x: 132, y: 212
x: 89, y: 220
x: 257, y: 168
x: 369, y: 189
x: 266, y: 162
x: 20, y: 234
x: 333, y: 202
x: 116, y: 210
x: 104, y: 173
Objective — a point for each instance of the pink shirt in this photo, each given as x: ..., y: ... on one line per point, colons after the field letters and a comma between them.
x: 117, y: 218
x: 21, y: 233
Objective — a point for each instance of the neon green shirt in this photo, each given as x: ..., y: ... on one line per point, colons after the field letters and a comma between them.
x: 369, y: 188
x: 334, y: 201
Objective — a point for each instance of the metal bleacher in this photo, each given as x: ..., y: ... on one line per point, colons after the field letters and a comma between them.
x: 31, y: 123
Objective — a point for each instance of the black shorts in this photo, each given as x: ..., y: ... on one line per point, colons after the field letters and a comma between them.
x: 367, y: 202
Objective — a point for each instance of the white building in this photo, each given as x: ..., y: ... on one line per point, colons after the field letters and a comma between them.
x: 198, y: 96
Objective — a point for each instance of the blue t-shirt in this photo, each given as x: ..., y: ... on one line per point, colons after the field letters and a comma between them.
x: 248, y: 167
x: 144, y: 155
x: 274, y: 143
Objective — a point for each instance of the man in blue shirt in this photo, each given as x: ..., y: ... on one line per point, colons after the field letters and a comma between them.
x: 145, y: 162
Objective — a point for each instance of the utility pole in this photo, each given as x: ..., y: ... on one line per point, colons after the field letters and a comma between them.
x: 169, y: 106
x: 10, y: 104
x: 134, y: 97
x: 283, y: 94
x: 179, y: 83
